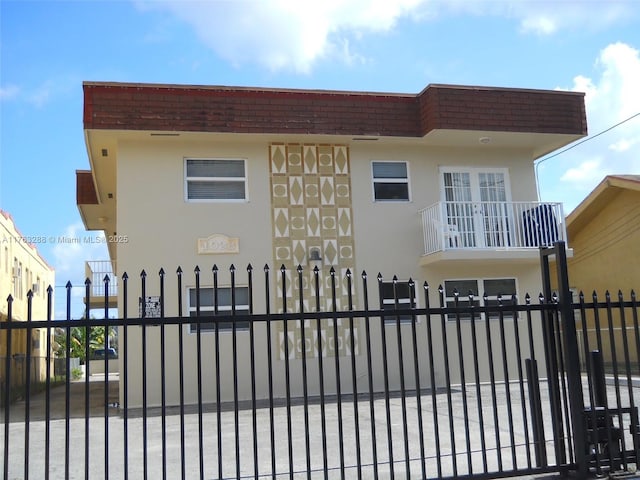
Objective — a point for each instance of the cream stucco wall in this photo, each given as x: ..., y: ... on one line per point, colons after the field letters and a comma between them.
x: 160, y: 230
x: 389, y: 234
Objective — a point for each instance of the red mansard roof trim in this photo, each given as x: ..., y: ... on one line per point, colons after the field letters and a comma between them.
x: 85, y: 189
x: 123, y: 106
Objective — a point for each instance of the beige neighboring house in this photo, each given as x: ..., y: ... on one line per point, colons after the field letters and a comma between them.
x: 22, y: 269
x: 437, y: 186
x: 604, y: 231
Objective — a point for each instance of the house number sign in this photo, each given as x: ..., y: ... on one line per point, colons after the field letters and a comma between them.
x: 218, y: 243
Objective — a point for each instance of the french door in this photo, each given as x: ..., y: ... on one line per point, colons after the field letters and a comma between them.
x: 476, y: 202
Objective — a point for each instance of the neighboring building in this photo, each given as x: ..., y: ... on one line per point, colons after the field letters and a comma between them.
x: 437, y: 186
x: 22, y: 269
x: 604, y: 231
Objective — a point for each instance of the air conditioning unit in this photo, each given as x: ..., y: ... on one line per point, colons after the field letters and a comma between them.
x: 35, y: 288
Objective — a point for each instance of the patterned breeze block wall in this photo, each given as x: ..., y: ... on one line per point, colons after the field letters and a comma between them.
x: 311, y: 208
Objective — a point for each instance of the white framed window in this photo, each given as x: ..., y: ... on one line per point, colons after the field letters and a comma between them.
x: 215, y: 179
x: 491, y: 287
x: 475, y: 184
x: 390, y: 181
x: 225, y: 307
x: 400, y: 296
x: 17, y: 279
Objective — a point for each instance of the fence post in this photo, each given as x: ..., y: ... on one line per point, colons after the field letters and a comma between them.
x: 537, y: 421
x: 7, y: 387
x: 572, y: 363
x: 551, y: 362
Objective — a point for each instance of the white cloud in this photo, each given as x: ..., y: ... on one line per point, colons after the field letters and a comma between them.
x: 541, y: 25
x: 37, y: 96
x: 623, y: 145
x: 9, y: 92
x: 294, y: 34
x: 40, y: 95
x: 283, y: 33
x: 621, y: 74
x: 72, y: 249
x: 613, y: 97
x: 612, y: 103
x: 547, y: 18
x: 589, y: 170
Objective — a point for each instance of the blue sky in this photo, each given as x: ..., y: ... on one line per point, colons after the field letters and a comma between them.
x: 48, y: 48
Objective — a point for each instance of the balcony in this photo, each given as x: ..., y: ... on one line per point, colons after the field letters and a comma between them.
x: 96, y: 271
x: 490, y: 230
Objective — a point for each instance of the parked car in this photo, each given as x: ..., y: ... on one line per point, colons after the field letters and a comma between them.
x: 99, y: 353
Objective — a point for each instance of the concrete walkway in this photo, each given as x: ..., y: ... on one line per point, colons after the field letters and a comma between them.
x: 105, y: 441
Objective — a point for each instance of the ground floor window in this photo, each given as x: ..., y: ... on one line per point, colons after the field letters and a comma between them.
x: 396, y: 293
x: 226, y: 303
x: 492, y: 288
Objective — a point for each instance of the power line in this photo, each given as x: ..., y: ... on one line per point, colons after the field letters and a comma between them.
x: 584, y: 140
x: 538, y: 162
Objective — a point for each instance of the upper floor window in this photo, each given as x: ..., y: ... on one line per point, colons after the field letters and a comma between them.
x: 466, y: 184
x: 390, y: 181
x: 215, y: 179
x: 17, y: 278
x: 475, y: 204
x: 226, y: 304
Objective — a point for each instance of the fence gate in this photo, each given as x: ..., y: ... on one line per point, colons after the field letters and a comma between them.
x: 597, y: 355
x: 365, y: 378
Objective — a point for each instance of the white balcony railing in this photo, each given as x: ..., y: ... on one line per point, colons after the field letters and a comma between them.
x: 491, y: 225
x: 96, y: 270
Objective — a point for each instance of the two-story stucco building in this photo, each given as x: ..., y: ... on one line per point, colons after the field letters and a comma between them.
x: 437, y: 186
x: 23, y: 270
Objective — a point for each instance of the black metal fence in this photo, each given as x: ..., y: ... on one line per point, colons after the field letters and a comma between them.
x: 609, y: 343
x: 401, y: 389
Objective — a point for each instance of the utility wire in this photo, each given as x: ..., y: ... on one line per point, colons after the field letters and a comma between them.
x: 584, y: 140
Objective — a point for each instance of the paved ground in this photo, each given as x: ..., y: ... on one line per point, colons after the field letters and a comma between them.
x: 106, y: 449
x: 77, y: 400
